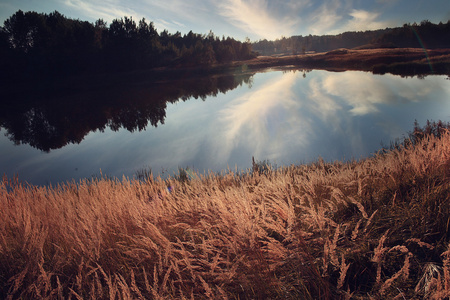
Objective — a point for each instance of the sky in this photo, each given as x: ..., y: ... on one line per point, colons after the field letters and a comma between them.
x: 241, y: 19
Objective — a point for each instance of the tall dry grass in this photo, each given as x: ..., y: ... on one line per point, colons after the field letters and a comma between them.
x: 373, y: 229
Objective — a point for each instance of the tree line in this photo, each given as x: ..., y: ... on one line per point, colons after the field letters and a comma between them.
x: 414, y: 35
x: 36, y: 44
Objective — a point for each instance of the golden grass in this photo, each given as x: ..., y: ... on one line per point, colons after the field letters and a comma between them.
x: 373, y: 229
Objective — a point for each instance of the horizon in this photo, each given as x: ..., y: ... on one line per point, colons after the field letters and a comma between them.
x: 254, y: 19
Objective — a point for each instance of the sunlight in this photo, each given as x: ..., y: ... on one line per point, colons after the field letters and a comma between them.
x: 257, y: 18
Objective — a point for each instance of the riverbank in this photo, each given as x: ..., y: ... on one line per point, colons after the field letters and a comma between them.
x: 375, y: 228
x: 399, y: 61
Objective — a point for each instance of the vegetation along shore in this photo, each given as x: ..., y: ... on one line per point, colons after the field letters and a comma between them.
x: 399, y: 61
x: 375, y: 228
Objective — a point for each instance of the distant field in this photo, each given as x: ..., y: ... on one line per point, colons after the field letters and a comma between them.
x: 409, y: 61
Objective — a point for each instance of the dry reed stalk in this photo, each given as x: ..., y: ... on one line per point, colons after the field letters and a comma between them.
x: 343, y: 268
x: 59, y: 289
x: 337, y: 194
x: 134, y: 286
x: 378, y: 255
x: 440, y: 293
x: 420, y: 243
x: 208, y: 292
x: 276, y: 254
x: 404, y: 271
x: 356, y: 230
x: 222, y: 293
x: 147, y: 286
x: 360, y: 207
x: 75, y: 294
x: 111, y: 284
x: 330, y: 248
x: 369, y: 221
x: 446, y: 268
x: 98, y: 283
x: 17, y: 281
x: 154, y: 288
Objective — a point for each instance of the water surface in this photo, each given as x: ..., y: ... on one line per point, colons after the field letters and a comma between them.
x: 285, y: 117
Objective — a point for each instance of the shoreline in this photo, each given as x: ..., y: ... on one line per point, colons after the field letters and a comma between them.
x: 398, y: 61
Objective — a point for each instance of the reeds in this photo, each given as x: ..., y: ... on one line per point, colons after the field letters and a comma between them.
x: 376, y: 228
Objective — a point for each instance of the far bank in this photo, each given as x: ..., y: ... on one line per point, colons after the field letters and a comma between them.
x: 398, y: 61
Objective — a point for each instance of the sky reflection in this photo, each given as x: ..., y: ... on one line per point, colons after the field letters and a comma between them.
x: 283, y: 117
x: 261, y: 120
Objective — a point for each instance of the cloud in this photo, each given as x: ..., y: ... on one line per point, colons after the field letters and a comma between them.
x: 256, y: 17
x: 362, y: 20
x: 177, y: 9
x: 167, y: 14
x: 324, y: 18
x: 178, y: 24
x: 107, y: 10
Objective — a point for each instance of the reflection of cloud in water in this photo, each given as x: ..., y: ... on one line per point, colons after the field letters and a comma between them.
x: 263, y: 120
x: 287, y: 116
x: 364, y: 91
x: 322, y: 104
x: 360, y: 91
x: 288, y: 119
x: 360, y: 106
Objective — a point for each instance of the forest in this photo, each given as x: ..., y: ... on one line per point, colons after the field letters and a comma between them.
x: 423, y: 35
x: 37, y: 45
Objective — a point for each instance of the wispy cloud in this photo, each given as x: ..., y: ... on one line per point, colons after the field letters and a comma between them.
x: 364, y: 20
x: 337, y: 16
x: 107, y: 10
x: 178, y: 24
x: 168, y: 14
x: 324, y: 18
x: 256, y: 17
x: 194, y: 10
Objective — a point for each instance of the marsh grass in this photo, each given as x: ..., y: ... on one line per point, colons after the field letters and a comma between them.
x: 371, y: 229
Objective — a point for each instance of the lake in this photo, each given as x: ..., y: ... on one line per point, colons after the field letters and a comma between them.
x: 54, y: 135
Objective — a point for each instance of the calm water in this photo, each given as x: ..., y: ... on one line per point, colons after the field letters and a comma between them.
x: 283, y: 117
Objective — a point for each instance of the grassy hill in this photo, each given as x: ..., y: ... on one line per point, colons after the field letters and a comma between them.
x: 376, y: 228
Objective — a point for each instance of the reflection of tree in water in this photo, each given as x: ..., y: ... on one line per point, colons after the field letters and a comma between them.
x: 51, y: 118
